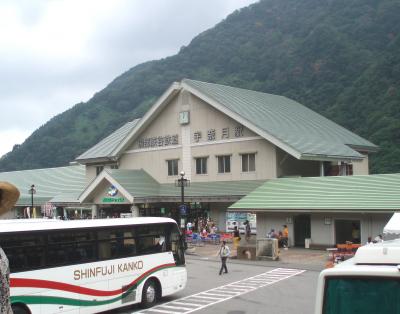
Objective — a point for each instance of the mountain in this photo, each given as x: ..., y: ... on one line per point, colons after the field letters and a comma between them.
x: 341, y: 58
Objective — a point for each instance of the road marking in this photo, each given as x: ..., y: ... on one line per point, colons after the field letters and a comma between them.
x: 223, y: 293
x: 178, y: 307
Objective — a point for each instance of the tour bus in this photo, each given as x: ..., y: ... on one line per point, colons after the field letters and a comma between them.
x: 368, y: 283
x: 90, y: 266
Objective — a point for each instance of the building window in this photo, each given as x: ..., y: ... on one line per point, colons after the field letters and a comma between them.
x: 172, y: 167
x: 99, y: 169
x: 114, y: 166
x: 248, y: 162
x: 201, y: 165
x: 224, y: 164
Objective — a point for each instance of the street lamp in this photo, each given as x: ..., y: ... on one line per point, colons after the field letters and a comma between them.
x: 32, y: 191
x: 183, y: 209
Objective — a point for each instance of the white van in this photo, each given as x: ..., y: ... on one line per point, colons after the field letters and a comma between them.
x: 368, y: 283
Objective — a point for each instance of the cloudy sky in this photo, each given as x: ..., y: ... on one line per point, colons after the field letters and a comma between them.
x: 56, y: 53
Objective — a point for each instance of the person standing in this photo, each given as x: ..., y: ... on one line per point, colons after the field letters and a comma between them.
x: 247, y: 230
x: 355, y: 233
x: 285, y: 236
x: 224, y: 253
x: 9, y: 195
x: 236, y: 237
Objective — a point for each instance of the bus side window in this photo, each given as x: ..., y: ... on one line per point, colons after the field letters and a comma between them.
x: 24, y: 252
x: 104, y: 250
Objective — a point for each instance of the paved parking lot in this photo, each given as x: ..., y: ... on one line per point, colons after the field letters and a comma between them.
x: 287, y: 285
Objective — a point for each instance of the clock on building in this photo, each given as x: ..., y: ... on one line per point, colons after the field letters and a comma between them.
x: 184, y: 117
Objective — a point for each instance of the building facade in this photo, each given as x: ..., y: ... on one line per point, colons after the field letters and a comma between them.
x: 227, y: 141
x: 325, y: 210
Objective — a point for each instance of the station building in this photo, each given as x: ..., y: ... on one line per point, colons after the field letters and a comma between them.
x: 228, y: 141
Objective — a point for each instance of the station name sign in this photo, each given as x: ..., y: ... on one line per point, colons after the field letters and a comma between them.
x: 158, y: 141
x: 113, y: 199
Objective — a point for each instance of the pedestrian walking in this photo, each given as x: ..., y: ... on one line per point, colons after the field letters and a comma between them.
x: 224, y: 253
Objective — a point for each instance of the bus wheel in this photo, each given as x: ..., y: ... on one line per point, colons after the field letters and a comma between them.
x: 19, y: 309
x: 149, y: 294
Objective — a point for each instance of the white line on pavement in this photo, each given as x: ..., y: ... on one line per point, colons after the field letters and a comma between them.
x: 213, y: 296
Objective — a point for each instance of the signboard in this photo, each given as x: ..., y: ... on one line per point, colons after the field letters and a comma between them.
x: 238, y: 218
x: 183, y: 209
x: 113, y: 199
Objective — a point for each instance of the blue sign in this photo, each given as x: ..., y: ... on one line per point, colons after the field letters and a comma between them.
x: 183, y: 209
x: 112, y: 191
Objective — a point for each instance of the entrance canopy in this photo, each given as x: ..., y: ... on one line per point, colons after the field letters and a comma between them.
x: 392, y: 228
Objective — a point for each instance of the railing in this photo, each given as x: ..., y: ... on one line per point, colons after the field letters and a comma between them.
x: 198, y: 239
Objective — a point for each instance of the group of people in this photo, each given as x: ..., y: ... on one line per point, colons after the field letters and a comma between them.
x: 281, y: 235
x: 204, y: 227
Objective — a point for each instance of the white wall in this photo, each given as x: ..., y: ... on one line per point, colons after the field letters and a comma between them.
x: 218, y: 214
x: 322, y: 234
x: 361, y: 167
x: 203, y: 118
x: 268, y: 221
x: 371, y: 226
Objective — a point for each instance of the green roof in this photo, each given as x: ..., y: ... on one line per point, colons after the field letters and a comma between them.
x: 140, y: 184
x: 105, y: 148
x: 287, y: 122
x: 354, y: 193
x: 137, y: 182
x: 212, y: 189
x: 63, y: 182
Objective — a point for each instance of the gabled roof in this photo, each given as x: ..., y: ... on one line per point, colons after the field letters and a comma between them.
x: 138, y: 184
x: 380, y: 192
x: 62, y: 182
x: 286, y: 123
x: 294, y: 128
x: 128, y: 182
x: 104, y: 149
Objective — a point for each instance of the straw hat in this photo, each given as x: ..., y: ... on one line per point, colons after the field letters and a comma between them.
x: 9, y: 195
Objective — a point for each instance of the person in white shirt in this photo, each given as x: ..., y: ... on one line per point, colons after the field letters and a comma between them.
x: 224, y: 253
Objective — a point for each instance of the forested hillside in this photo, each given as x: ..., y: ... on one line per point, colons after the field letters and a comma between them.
x: 338, y: 57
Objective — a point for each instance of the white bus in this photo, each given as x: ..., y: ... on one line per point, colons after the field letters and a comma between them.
x: 368, y: 283
x: 89, y: 266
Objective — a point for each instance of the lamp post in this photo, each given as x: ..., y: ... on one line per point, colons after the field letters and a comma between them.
x: 32, y: 191
x: 183, y: 209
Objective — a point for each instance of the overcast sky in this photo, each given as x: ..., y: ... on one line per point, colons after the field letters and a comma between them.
x: 56, y: 53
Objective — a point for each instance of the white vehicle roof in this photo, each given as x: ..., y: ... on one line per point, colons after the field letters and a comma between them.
x: 20, y: 225
x: 393, y: 226
x: 377, y: 259
x: 384, y: 253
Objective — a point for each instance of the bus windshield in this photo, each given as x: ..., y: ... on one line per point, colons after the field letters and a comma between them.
x: 366, y: 295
